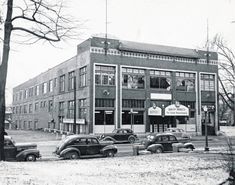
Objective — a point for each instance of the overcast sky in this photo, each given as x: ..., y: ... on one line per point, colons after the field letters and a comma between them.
x: 181, y: 23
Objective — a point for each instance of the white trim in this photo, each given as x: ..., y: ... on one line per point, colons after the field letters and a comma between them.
x: 100, y: 50
x: 116, y: 96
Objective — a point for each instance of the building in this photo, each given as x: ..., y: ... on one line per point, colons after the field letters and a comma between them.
x: 141, y: 86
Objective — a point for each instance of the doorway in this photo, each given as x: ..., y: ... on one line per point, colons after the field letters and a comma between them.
x: 159, y: 123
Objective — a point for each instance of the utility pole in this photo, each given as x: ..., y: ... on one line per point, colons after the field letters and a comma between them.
x: 74, y: 114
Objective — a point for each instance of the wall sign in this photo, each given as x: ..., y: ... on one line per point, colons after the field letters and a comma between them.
x: 176, y: 110
x: 154, y: 111
x: 78, y: 121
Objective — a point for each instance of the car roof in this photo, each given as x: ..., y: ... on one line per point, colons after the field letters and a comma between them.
x: 75, y: 136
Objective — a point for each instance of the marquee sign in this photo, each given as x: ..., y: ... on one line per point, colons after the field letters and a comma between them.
x: 176, y: 110
x: 154, y: 111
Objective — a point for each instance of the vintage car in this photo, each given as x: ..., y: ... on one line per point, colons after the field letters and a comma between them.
x: 20, y: 151
x: 76, y: 146
x: 179, y: 133
x: 120, y: 135
x: 163, y: 142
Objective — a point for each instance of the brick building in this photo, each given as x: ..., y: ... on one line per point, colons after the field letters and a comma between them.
x: 141, y: 86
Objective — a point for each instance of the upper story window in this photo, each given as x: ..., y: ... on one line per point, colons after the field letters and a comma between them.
x: 44, y: 88
x: 71, y: 80
x: 104, y: 75
x: 30, y: 108
x: 30, y: 91
x: 70, y: 109
x: 25, y: 109
x: 50, y: 87
x: 62, y: 83
x: 185, y: 81
x: 133, y: 78
x: 207, y: 82
x: 83, y: 76
x: 36, y: 90
x: 36, y: 106
x: 55, y: 82
x: 160, y: 80
x: 21, y: 95
x: 25, y: 93
x: 50, y: 106
x: 61, y: 108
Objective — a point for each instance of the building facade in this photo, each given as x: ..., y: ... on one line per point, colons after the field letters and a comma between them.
x: 133, y: 85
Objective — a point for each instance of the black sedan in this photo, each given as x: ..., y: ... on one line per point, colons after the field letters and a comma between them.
x: 76, y: 146
x: 20, y: 151
x: 158, y: 143
x: 120, y: 135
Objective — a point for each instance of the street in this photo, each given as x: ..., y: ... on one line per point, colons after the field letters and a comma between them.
x: 47, y: 142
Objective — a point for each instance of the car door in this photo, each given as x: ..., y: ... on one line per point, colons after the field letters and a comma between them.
x: 9, y: 150
x: 167, y: 146
x: 80, y: 144
x: 118, y: 135
x: 93, y: 147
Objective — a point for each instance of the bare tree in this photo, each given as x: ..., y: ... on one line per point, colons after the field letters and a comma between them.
x: 226, y: 71
x: 33, y: 20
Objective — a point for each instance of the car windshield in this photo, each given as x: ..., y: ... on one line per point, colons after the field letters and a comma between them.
x: 114, y: 131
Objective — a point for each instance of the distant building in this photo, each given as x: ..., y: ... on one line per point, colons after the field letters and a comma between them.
x: 8, y: 118
x: 141, y: 86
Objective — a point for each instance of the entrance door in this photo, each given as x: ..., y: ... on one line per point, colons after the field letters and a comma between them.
x: 159, y: 123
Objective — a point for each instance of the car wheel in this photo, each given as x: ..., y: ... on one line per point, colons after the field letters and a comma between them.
x: 159, y: 150
x: 190, y: 147
x: 109, y: 153
x: 72, y: 155
x: 30, y: 157
x: 131, y: 140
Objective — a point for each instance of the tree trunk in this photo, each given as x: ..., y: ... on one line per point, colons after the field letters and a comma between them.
x: 3, y: 73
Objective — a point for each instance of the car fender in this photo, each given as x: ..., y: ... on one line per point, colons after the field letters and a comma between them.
x: 153, y: 147
x: 109, y: 147
x: 22, y: 155
x: 66, y: 150
x: 189, y: 145
x: 108, y: 138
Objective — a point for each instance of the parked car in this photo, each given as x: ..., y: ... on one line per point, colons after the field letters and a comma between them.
x: 163, y: 143
x: 20, y: 151
x: 179, y: 133
x: 120, y: 135
x: 76, y: 146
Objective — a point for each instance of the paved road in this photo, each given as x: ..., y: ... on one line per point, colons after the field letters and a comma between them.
x: 47, y: 142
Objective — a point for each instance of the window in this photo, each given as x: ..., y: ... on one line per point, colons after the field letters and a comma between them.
x: 61, y: 108
x: 70, y: 109
x: 138, y: 117
x: 25, y: 109
x: 36, y: 106
x: 30, y: 108
x: 25, y: 94
x: 132, y: 103
x: 185, y: 81
x: 44, y: 88
x: 62, y: 83
x: 30, y: 91
x: 21, y: 95
x: 55, y: 82
x: 50, y: 86
x: 104, y: 102
x: 104, y: 75
x: 207, y: 82
x: 83, y: 76
x: 82, y: 108
x: 36, y: 90
x: 160, y: 80
x: 103, y: 117
x: 133, y: 78
x: 71, y: 80
x: 50, y: 106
